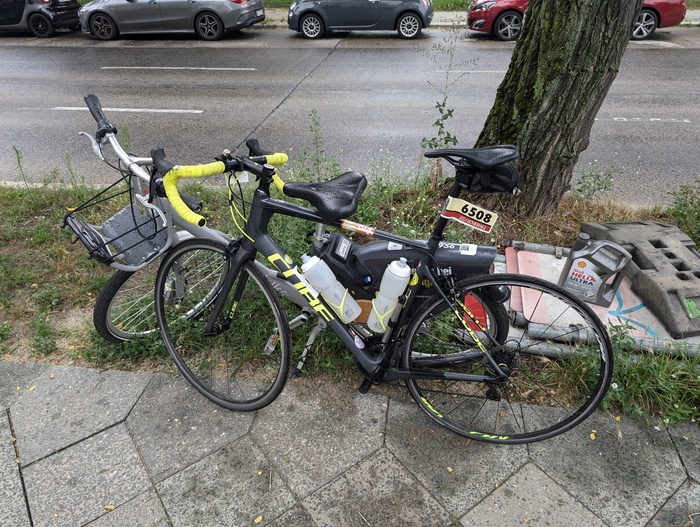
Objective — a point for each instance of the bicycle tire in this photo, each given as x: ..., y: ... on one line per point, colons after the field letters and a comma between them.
x: 124, y: 309
x: 245, y: 366
x: 556, y: 354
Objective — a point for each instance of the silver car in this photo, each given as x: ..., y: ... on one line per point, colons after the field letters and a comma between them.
x: 312, y: 18
x: 209, y: 19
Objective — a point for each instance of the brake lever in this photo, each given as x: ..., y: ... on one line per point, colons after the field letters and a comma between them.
x: 96, y: 147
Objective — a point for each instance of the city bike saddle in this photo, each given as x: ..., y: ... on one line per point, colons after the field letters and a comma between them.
x: 335, y: 199
x: 483, y: 158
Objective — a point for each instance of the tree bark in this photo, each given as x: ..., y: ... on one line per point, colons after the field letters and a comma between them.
x: 563, y: 64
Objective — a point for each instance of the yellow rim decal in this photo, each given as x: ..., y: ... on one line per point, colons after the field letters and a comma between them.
x: 430, y: 407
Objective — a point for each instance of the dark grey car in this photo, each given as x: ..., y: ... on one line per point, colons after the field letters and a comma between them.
x: 209, y: 19
x: 312, y: 18
x: 41, y: 17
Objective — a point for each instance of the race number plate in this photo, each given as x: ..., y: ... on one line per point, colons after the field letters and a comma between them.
x: 469, y: 215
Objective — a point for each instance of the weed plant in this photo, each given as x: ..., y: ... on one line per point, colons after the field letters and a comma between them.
x: 685, y: 209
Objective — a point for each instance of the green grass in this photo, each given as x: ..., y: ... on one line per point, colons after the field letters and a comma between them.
x: 43, y: 277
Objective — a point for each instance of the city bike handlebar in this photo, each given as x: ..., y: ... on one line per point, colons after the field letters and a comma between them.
x: 255, y: 164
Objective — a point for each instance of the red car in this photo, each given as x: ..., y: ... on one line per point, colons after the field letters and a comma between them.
x: 504, y: 18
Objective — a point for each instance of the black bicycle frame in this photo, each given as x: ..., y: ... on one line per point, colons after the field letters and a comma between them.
x: 376, y: 366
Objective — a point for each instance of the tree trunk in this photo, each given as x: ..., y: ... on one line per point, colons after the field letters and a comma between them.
x: 563, y: 64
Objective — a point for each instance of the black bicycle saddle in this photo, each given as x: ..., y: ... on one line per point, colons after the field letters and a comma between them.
x: 335, y: 199
x: 484, y: 158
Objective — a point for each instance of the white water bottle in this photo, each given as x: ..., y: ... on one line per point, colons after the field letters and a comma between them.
x: 319, y: 275
x: 394, y: 282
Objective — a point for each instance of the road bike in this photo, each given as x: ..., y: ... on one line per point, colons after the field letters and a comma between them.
x: 495, y: 357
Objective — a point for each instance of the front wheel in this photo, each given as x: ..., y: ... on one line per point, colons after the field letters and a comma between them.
x: 311, y: 26
x: 409, y: 25
x: 646, y: 24
x: 508, y: 25
x: 103, y: 27
x: 554, y: 355
x: 208, y: 26
x: 243, y: 363
x: 41, y: 26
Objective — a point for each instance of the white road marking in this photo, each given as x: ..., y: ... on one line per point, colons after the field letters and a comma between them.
x: 472, y: 71
x: 173, y: 68
x: 132, y: 110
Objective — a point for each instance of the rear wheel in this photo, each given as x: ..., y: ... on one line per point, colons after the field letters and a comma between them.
x: 555, y: 355
x: 41, y: 26
x: 103, y: 27
x: 311, y: 26
x: 244, y: 364
x: 646, y: 24
x: 208, y: 26
x: 408, y: 25
x: 507, y: 25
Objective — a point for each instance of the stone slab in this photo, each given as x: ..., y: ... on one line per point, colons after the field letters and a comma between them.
x: 686, y: 437
x: 232, y: 487
x: 15, y: 379
x: 530, y: 498
x: 13, y: 508
x: 682, y: 510
x: 175, y: 426
x: 145, y: 510
x: 79, y: 484
x: 378, y: 491
x: 67, y: 404
x: 458, y: 471
x: 623, y: 475
x: 313, y: 432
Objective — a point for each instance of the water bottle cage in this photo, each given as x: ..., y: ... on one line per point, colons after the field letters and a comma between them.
x: 385, y: 316
x: 340, y: 308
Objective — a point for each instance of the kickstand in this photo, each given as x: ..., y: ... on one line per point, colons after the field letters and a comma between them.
x: 320, y: 326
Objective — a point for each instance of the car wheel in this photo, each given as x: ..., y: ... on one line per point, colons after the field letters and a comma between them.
x: 311, y: 26
x: 103, y: 27
x: 41, y: 26
x: 409, y: 25
x: 507, y: 25
x: 209, y: 26
x: 646, y: 24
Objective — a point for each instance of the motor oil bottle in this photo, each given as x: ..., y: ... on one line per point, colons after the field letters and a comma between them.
x: 594, y: 270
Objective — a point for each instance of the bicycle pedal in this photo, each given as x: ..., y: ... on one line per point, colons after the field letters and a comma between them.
x: 366, y: 385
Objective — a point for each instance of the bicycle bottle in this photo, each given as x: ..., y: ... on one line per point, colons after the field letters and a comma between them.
x: 394, y: 283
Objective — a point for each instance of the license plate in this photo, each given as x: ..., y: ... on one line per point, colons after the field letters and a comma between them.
x: 260, y: 12
x: 470, y: 215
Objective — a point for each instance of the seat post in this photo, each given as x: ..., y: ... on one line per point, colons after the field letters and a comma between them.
x: 439, y: 229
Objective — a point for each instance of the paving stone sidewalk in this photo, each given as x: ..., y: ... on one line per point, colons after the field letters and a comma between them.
x: 109, y: 448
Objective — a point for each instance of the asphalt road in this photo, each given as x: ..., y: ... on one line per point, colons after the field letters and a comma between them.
x: 372, y: 93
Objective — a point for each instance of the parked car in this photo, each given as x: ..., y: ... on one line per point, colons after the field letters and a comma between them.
x: 312, y: 18
x: 504, y: 18
x: 41, y: 17
x: 209, y: 19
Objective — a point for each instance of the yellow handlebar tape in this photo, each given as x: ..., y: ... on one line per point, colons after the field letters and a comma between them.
x: 277, y: 159
x: 193, y: 171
